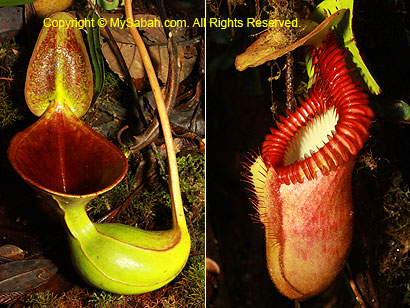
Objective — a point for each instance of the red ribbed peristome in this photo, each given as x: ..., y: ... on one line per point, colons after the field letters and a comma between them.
x: 336, y: 85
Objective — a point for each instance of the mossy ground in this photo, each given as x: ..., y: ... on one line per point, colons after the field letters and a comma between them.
x: 9, y: 112
x: 187, y: 291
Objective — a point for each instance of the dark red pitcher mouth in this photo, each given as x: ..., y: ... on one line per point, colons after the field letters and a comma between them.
x: 61, y: 154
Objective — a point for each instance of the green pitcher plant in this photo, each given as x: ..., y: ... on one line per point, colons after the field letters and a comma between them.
x: 69, y: 164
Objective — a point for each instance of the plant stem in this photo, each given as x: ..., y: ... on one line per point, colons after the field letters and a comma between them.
x: 163, y: 116
x: 289, y: 82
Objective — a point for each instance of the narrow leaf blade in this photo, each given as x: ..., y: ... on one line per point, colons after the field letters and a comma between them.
x: 344, y: 32
x: 93, y: 39
x: 14, y: 2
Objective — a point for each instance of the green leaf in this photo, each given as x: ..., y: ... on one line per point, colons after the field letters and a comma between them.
x: 310, y: 69
x: 97, y: 59
x: 344, y: 31
x: 14, y: 2
x: 108, y: 5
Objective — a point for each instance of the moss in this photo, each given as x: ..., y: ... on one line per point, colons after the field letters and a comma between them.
x: 112, y: 90
x: 9, y: 114
x: 395, y: 263
x: 76, y: 298
x: 145, y: 206
x: 191, y: 284
x: 8, y: 53
x: 112, y: 199
x: 42, y: 300
x: 106, y: 300
x: 192, y: 182
x: 192, y: 170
